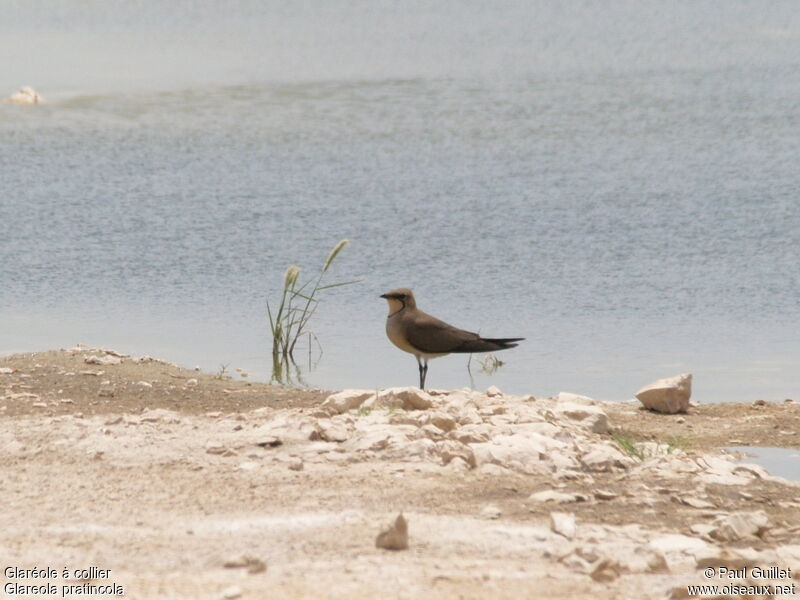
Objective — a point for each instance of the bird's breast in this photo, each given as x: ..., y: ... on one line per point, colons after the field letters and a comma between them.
x: 396, y: 334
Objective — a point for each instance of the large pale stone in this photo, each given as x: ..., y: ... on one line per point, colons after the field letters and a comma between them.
x: 346, y: 400
x: 450, y: 449
x: 422, y: 449
x: 472, y: 434
x: 374, y: 440
x: 741, y: 525
x: 677, y: 543
x: 493, y: 391
x: 160, y: 415
x: 555, y: 496
x: 670, y: 395
x: 723, y: 471
x: 442, y: 420
x: 590, y: 417
x: 332, y: 431
x: 563, y: 523
x: 395, y: 537
x: 407, y: 398
x: 284, y: 428
x: 106, y: 359
x: 520, y: 459
x: 26, y: 95
x: 604, y: 458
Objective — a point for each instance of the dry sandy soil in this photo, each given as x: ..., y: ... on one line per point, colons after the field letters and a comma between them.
x: 92, y: 473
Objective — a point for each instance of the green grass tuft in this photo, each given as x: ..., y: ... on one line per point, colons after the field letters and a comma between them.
x: 628, y: 446
x: 298, y: 303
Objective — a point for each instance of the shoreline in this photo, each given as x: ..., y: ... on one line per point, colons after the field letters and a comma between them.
x: 111, y: 464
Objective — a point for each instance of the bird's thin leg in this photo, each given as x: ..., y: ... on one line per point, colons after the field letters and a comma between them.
x: 421, y: 374
x: 424, y: 374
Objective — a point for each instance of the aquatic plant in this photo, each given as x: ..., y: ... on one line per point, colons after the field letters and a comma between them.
x: 489, y: 365
x: 298, y: 303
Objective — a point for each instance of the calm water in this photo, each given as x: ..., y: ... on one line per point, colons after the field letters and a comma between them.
x: 783, y: 462
x: 618, y: 182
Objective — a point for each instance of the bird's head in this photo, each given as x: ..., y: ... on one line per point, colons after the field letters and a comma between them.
x: 399, y: 299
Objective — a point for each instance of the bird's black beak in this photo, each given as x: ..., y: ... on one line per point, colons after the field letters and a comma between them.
x: 384, y: 296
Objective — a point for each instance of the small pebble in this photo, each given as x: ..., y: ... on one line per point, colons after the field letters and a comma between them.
x: 232, y: 592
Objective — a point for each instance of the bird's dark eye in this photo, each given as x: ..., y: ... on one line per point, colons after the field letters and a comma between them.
x: 402, y: 297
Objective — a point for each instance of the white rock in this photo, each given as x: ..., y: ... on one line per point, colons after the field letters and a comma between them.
x: 459, y: 400
x: 407, y: 418
x: 295, y: 463
x: 395, y: 537
x: 373, y: 441
x: 670, y: 395
x: 232, y: 592
x: 407, y: 398
x: 604, y: 458
x: 554, y: 496
x: 246, y: 561
x: 701, y: 529
x: 677, y: 543
x: 604, y: 494
x: 605, y: 570
x: 145, y: 384
x: 590, y: 417
x: 441, y: 420
x: 106, y: 359
x: 6, y: 371
x: 346, y: 400
x: 741, y: 525
x: 637, y: 558
x: 285, y: 427
x: 422, y: 449
x: 458, y: 465
x: 493, y: 470
x: 542, y: 428
x: 563, y: 461
x: 521, y: 453
x: 491, y: 511
x: 563, y: 523
x: 160, y: 415
x: 450, y: 449
x: 472, y: 434
x: 26, y: 95
x: 468, y: 416
x: 331, y: 431
x: 429, y: 431
x: 493, y: 391
x: 111, y: 352
x: 694, y: 502
x: 215, y: 447
x: 723, y: 471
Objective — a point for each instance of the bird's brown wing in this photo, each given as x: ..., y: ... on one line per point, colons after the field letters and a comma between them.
x: 429, y: 334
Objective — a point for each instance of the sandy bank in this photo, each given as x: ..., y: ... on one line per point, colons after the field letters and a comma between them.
x: 165, y: 476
